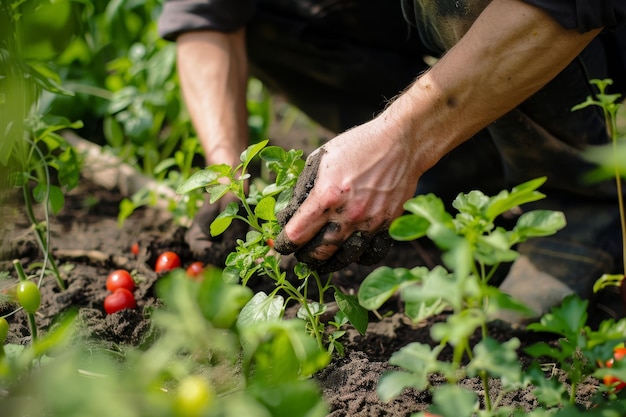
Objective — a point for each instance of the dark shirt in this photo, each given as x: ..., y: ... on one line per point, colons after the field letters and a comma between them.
x: 181, y: 16
x: 585, y: 15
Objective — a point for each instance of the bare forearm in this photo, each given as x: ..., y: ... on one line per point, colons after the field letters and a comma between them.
x: 511, y: 51
x: 213, y: 73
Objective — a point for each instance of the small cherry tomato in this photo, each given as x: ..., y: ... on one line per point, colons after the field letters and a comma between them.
x: 4, y: 330
x: 195, y: 269
x: 120, y: 278
x: 167, y: 261
x: 119, y: 300
x: 29, y: 296
x: 270, y: 243
x: 610, y: 381
x: 134, y: 248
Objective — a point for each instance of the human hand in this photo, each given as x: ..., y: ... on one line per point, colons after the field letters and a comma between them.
x: 346, y: 197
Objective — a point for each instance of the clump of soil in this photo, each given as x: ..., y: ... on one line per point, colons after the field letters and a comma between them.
x: 88, y: 244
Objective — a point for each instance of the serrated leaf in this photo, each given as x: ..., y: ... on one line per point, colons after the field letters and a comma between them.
x: 452, y: 400
x: 498, y: 360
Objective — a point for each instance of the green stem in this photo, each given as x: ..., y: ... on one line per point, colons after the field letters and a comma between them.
x: 485, y: 379
x: 33, y: 326
x: 41, y: 239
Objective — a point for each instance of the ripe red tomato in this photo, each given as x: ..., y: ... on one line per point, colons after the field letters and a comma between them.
x: 167, y: 261
x: 134, y: 248
x: 120, y: 278
x: 119, y: 300
x: 618, y: 354
x: 270, y: 243
x: 195, y: 269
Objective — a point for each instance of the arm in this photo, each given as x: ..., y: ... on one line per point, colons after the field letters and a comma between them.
x: 367, y: 173
x: 213, y: 71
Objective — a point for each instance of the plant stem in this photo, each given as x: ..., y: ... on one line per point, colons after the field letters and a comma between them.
x: 41, y: 239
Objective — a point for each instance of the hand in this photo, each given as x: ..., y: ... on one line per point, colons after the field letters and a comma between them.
x: 346, y: 197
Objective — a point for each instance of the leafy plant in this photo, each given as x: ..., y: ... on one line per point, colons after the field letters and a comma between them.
x: 610, y: 160
x: 252, y: 256
x: 31, y: 148
x: 198, y: 361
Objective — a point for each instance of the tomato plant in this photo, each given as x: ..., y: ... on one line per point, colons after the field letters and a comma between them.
x: 29, y: 296
x: 611, y: 381
x: 120, y: 278
x: 167, y: 261
x: 195, y: 269
x: 119, y: 300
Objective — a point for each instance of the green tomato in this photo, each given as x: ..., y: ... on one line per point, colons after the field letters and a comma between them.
x: 194, y: 395
x: 28, y: 296
x: 4, y: 330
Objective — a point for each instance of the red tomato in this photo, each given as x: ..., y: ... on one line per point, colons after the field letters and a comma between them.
x: 135, y: 248
x: 119, y: 300
x: 167, y: 261
x: 195, y: 269
x: 120, y: 278
x: 618, y: 354
x: 270, y: 242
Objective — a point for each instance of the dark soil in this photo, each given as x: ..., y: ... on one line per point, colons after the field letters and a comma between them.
x: 85, y: 235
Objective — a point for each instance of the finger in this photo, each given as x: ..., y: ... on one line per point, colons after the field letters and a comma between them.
x: 377, y: 249
x: 284, y: 244
x: 322, y: 246
x: 303, y: 187
x: 348, y: 252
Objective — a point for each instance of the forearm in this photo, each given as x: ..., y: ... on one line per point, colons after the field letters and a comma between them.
x: 213, y: 71
x: 509, y: 53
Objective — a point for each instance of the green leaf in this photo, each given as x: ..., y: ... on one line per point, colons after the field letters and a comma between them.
x: 454, y: 401
x: 349, y: 305
x: 203, y: 178
x: 217, y: 191
x: 382, y: 283
x: 521, y: 194
x: 265, y: 209
x: 565, y: 320
x: 392, y: 383
x: 261, y: 308
x: 538, y: 223
x: 498, y: 360
x: 54, y: 195
x: 408, y: 227
x: 224, y: 219
x: 252, y: 151
x: 459, y: 327
x: 430, y: 207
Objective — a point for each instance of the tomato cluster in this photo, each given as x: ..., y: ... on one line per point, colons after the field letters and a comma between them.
x: 121, y: 284
x: 610, y: 381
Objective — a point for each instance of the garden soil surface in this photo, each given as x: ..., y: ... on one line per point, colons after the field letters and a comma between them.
x: 86, y: 236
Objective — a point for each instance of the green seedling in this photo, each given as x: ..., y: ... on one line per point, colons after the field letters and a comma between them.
x: 473, y: 248
x: 610, y: 160
x: 252, y: 256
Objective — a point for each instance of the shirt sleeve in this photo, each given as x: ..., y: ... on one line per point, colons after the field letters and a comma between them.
x: 585, y: 15
x: 179, y: 16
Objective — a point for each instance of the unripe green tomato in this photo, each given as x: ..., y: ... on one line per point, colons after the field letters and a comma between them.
x: 193, y: 396
x: 4, y: 330
x: 28, y: 296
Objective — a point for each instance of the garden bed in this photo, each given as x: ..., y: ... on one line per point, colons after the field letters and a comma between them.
x: 88, y: 244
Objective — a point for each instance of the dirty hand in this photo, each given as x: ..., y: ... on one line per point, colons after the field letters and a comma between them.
x: 346, y: 197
